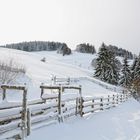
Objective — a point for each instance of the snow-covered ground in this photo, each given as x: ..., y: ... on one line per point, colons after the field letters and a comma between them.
x: 120, y: 123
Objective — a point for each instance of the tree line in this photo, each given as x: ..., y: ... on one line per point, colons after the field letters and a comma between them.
x: 121, y: 52
x: 36, y: 46
x: 63, y: 48
x: 108, y: 69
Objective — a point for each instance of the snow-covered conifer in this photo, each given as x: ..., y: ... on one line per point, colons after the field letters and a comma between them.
x: 107, y: 66
x: 125, y: 79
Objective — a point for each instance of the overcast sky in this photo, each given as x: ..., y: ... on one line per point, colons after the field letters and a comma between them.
x: 72, y: 21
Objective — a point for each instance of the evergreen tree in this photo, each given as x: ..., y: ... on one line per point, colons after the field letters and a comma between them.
x: 85, y: 48
x: 136, y: 79
x: 107, y: 66
x: 125, y: 79
x: 133, y: 67
x: 101, y: 67
x: 112, y: 72
x: 137, y: 69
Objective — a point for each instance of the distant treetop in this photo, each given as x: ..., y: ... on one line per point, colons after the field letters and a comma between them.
x: 85, y: 48
x: 121, y: 52
x: 36, y: 46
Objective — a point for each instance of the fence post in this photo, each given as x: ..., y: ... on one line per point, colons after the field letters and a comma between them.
x: 28, y: 122
x: 108, y: 101
x: 80, y: 91
x: 59, y: 105
x: 42, y: 91
x: 113, y: 100
x: 101, y: 104
x: 4, y: 94
x: 121, y: 98
x: 77, y: 106
x: 81, y: 101
x: 92, y: 105
x: 117, y: 100
x: 24, y: 114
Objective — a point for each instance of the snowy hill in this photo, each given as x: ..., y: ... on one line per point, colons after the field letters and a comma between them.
x: 120, y: 123
x: 76, y: 65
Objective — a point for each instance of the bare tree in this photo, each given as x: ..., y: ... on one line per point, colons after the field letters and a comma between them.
x: 10, y: 70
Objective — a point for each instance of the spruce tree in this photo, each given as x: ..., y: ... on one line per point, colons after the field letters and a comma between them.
x: 113, y: 70
x: 133, y: 68
x: 136, y: 79
x: 125, y: 79
x: 137, y: 69
x: 101, y: 68
x: 107, y: 69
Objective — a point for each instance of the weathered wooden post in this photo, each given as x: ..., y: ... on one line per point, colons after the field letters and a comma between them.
x: 28, y: 122
x: 80, y: 91
x: 113, y: 100
x: 59, y: 104
x: 4, y: 94
x: 77, y: 106
x: 108, y: 100
x: 81, y: 101
x: 81, y: 106
x: 92, y: 105
x: 24, y: 114
x: 101, y: 104
x: 42, y: 90
x: 117, y: 100
x: 121, y: 98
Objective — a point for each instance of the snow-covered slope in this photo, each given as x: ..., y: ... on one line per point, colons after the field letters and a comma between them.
x: 55, y: 64
x: 120, y: 123
x: 75, y: 65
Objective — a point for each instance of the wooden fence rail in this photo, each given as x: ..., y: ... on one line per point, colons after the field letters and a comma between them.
x: 51, y: 108
x: 89, y: 105
x: 62, y: 81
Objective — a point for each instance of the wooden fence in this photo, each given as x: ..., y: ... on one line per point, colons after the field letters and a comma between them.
x: 53, y: 108
x: 104, y: 85
x: 12, y: 115
x: 68, y: 80
x: 58, y: 97
x: 63, y: 81
x: 90, y: 105
x: 60, y: 81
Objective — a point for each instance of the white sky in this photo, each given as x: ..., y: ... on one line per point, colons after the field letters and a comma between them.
x: 72, y: 21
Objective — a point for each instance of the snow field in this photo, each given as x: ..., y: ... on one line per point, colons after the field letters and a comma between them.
x: 120, y: 123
